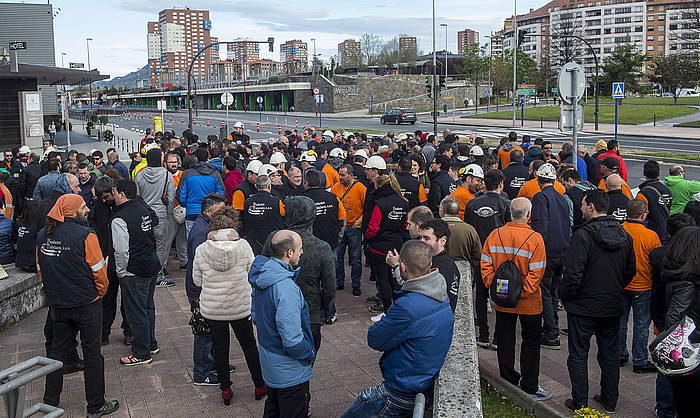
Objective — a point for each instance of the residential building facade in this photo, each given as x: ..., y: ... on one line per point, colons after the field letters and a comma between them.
x: 408, y: 48
x: 465, y: 38
x: 295, y: 56
x: 349, y: 53
x: 243, y: 51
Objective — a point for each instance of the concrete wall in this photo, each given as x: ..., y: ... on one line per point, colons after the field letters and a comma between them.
x: 20, y: 295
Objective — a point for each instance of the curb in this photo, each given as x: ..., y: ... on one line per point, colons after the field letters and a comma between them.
x: 661, y: 159
x: 518, y: 397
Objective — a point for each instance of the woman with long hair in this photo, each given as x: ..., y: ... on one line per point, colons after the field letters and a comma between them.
x: 682, y: 274
x: 384, y: 233
x: 220, y: 268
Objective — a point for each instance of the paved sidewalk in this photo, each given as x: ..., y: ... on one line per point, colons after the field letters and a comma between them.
x: 344, y: 367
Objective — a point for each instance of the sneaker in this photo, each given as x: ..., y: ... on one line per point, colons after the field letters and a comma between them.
x: 645, y: 368
x: 483, y: 342
x: 231, y: 368
x: 373, y: 299
x: 165, y: 283
x: 107, y: 408
x: 166, y: 273
x: 332, y: 319
x: 551, y: 344
x: 560, y: 306
x: 376, y: 308
x: 130, y: 360
x: 564, y: 331
x: 541, y: 394
x: 356, y: 291
x: 571, y: 405
x: 155, y: 351
x: 606, y: 408
x: 128, y: 339
x: 260, y: 392
x: 377, y: 318
x: 210, y: 380
x: 340, y: 287
x: 494, y: 344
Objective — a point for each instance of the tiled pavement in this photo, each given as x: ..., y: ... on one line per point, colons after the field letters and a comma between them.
x: 344, y: 367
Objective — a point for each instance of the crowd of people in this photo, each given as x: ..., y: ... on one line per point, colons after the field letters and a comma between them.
x: 262, y: 234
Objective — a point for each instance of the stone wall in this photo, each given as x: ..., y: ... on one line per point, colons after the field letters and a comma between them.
x: 20, y: 295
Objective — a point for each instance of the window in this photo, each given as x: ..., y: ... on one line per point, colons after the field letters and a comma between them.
x: 608, y: 31
x: 607, y: 50
x: 650, y: 29
x: 650, y: 47
x: 659, y: 47
x: 608, y: 21
x: 650, y: 37
x: 619, y: 20
x: 593, y: 22
x: 607, y: 11
x: 650, y: 18
x: 639, y: 28
x: 590, y: 13
x: 638, y: 9
x: 650, y: 8
x: 661, y: 28
x: 661, y: 17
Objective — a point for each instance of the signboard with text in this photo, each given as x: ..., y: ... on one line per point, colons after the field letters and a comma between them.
x: 76, y: 65
x: 17, y: 45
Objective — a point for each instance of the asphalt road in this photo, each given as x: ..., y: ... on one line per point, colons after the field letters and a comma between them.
x: 268, y: 130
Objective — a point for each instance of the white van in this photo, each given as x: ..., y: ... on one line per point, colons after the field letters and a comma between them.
x: 687, y: 93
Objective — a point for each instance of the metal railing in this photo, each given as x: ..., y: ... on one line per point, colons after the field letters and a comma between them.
x: 12, y: 387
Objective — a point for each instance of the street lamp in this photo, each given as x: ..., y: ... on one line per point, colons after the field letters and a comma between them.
x: 63, y: 54
x: 87, y: 42
x: 515, y: 54
x: 445, y: 25
x: 434, y: 77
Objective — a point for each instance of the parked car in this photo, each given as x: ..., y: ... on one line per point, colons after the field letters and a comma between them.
x: 667, y: 94
x: 687, y: 93
x: 533, y: 100
x: 399, y: 115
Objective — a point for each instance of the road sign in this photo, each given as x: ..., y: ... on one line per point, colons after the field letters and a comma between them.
x: 317, y: 90
x: 526, y: 92
x: 555, y: 90
x: 17, y: 45
x: 448, y: 98
x: 162, y: 105
x: 319, y: 98
x: 227, y: 99
x: 526, y: 86
x: 76, y: 65
x: 487, y: 93
x: 569, y: 89
x: 618, y: 90
x: 259, y: 99
x: 567, y: 116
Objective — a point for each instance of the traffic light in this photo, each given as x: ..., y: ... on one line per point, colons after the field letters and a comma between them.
x: 442, y: 82
x: 429, y: 87
x: 521, y: 36
x: 271, y: 44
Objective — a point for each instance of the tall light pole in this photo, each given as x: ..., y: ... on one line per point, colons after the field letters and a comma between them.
x: 445, y: 25
x: 87, y: 42
x: 434, y: 77
x: 63, y: 54
x: 515, y: 55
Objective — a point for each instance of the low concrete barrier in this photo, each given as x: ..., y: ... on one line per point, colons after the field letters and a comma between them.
x: 20, y: 295
x: 458, y: 388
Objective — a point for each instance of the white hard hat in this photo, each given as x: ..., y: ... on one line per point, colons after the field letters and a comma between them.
x: 328, y: 133
x: 377, y: 162
x: 337, y: 153
x: 266, y: 170
x: 347, y: 134
x: 361, y: 153
x: 308, y: 156
x: 277, y: 157
x: 149, y: 147
x: 476, y: 150
x: 254, y: 166
x: 401, y: 137
x: 547, y: 171
x: 24, y: 149
x: 238, y: 125
x: 473, y: 170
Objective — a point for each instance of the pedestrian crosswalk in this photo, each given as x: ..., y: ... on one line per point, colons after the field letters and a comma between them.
x: 547, y: 135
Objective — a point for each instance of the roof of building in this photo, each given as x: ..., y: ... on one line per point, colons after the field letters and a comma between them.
x: 52, y: 76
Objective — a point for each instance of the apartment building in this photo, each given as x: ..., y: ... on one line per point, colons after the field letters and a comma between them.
x: 408, y: 48
x: 465, y: 38
x: 295, y: 56
x: 243, y: 50
x: 349, y: 53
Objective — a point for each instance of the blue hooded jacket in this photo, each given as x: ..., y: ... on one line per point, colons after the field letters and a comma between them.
x: 196, y: 182
x: 281, y: 316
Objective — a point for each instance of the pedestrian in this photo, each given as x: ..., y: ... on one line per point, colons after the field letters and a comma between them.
x: 27, y: 230
x: 114, y: 162
x: 281, y: 317
x: 518, y: 243
x: 46, y: 183
x: 436, y: 233
x: 156, y: 187
x: 567, y: 157
x: 609, y: 166
x: 682, y: 190
x: 294, y: 186
x: 575, y: 189
x: 637, y: 295
x: 137, y: 267
x: 414, y: 338
x: 658, y: 198
x: 246, y: 188
x: 411, y: 188
x: 263, y: 213
x: 220, y: 268
x: 472, y: 177
x: 551, y: 218
x: 330, y: 221
x: 351, y: 194
x: 52, y: 131
x: 87, y: 183
x: 317, y: 277
x: 659, y: 308
x: 592, y: 293
x: 74, y: 278
x: 486, y: 213
x: 464, y: 243
x: 178, y: 230
x: 516, y: 174
x: 681, y: 267
x: 203, y: 371
x: 196, y: 182
x: 614, y: 153
x: 618, y: 200
x: 532, y: 187
x: 232, y: 177
x: 441, y: 184
x: 592, y: 165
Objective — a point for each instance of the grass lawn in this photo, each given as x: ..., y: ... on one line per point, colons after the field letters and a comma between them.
x: 696, y: 123
x: 651, y: 100
x: 627, y: 114
x: 495, y: 405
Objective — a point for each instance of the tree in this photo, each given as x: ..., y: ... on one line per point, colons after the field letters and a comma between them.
x: 625, y: 64
x: 502, y: 71
x: 370, y: 47
x: 474, y: 67
x: 563, y: 47
x: 673, y: 72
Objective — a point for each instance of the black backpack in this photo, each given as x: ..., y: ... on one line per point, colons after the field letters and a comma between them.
x: 507, y: 282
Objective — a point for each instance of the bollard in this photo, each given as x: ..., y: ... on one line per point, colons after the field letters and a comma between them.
x: 257, y: 126
x: 285, y: 122
x: 182, y: 120
x: 654, y: 119
x: 541, y: 122
x: 296, y: 123
x: 279, y: 130
x: 207, y: 123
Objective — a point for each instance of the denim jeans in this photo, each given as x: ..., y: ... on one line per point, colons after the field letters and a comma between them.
x: 202, y: 357
x: 188, y: 227
x: 665, y: 407
x: 140, y: 309
x: 378, y: 401
x: 640, y: 304
x: 329, y: 311
x: 352, y: 241
x: 550, y: 297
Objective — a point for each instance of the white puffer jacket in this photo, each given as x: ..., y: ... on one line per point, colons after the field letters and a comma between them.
x: 220, y: 268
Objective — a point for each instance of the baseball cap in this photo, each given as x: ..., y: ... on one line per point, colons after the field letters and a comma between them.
x: 24, y: 149
x: 266, y: 170
x: 547, y: 171
x: 308, y: 156
x: 238, y: 125
x: 375, y: 161
x: 254, y: 166
x: 476, y: 150
x: 277, y: 157
x: 473, y: 170
x: 610, y: 162
x: 337, y: 153
x: 361, y: 153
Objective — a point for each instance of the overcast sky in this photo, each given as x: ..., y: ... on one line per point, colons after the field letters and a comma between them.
x: 118, y: 27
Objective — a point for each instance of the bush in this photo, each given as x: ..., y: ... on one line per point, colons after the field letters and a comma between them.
x: 103, y: 119
x: 588, y: 413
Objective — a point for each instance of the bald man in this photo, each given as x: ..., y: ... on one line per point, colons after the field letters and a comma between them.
x: 416, y: 217
x: 618, y: 199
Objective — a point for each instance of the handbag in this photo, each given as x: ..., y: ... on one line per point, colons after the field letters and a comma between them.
x: 197, y: 321
x: 179, y: 214
x: 673, y: 353
x: 164, y: 197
